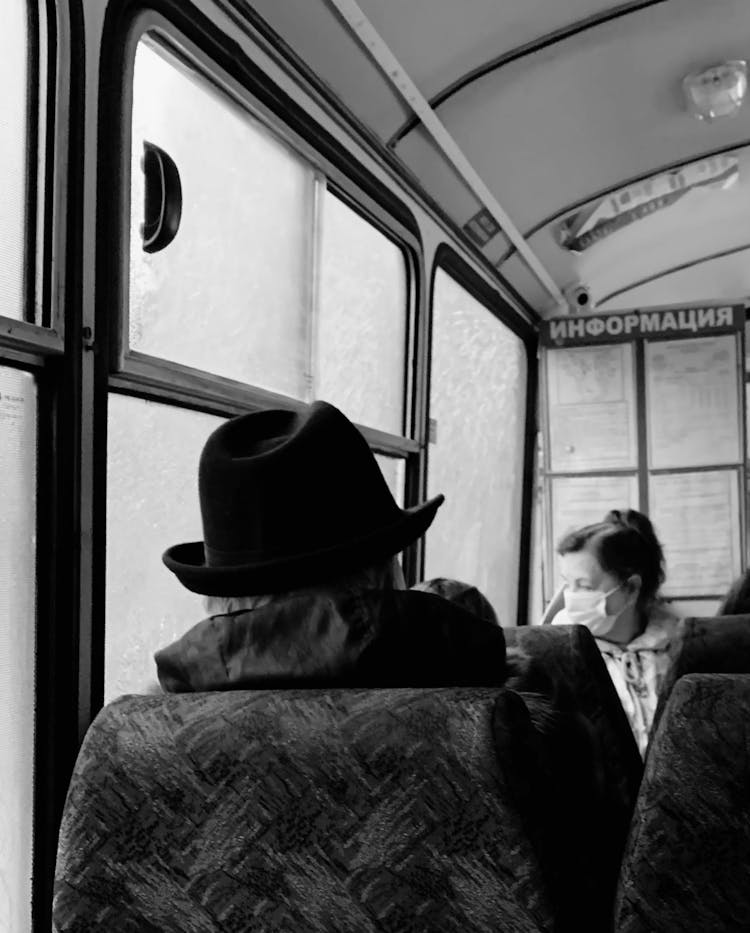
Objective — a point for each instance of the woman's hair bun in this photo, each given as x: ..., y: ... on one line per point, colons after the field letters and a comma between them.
x: 629, y: 518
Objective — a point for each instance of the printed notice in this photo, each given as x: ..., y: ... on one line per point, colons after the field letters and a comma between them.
x: 592, y: 424
x: 17, y: 639
x: 696, y: 518
x: 693, y: 402
x: 582, y: 500
x: 17, y: 499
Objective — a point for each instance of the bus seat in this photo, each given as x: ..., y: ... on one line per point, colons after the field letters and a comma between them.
x: 290, y: 810
x: 711, y: 645
x: 569, y: 656
x: 687, y: 862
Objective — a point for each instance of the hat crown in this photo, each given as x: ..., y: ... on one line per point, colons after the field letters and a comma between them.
x: 276, y: 482
x: 290, y: 500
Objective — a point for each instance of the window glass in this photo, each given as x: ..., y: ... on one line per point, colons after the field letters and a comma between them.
x: 14, y: 50
x: 152, y: 503
x: 394, y: 471
x: 478, y: 399
x: 362, y: 317
x: 17, y: 642
x: 231, y: 293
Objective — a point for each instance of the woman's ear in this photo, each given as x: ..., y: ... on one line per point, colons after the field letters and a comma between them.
x: 634, y: 583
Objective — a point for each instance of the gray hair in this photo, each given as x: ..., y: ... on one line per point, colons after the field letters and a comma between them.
x: 382, y: 576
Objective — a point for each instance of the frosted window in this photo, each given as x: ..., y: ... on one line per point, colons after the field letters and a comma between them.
x: 230, y: 294
x: 17, y: 642
x: 362, y: 317
x: 478, y: 398
x: 14, y: 51
x: 394, y: 471
x: 152, y: 503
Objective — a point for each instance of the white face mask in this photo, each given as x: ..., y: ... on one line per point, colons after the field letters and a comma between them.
x: 589, y: 608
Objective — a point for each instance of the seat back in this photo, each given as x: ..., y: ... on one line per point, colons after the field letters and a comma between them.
x: 711, y: 645
x: 346, y: 810
x: 687, y: 860
x: 569, y: 655
x: 590, y: 840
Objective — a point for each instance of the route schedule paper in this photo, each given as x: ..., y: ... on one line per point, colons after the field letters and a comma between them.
x: 592, y: 416
x: 696, y: 518
x: 693, y: 405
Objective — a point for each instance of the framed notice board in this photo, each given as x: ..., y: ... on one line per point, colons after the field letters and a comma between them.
x: 645, y: 409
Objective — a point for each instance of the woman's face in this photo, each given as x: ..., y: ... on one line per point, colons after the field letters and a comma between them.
x: 582, y: 572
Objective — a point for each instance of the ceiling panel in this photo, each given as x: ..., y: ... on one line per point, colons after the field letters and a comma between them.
x: 600, y: 108
x: 704, y: 221
x: 316, y: 35
x: 570, y: 121
x: 438, y: 41
x: 724, y: 278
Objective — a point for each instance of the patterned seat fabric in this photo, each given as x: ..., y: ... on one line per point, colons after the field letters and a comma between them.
x: 569, y: 656
x: 713, y: 645
x: 580, y: 823
x: 330, y: 810
x: 687, y: 862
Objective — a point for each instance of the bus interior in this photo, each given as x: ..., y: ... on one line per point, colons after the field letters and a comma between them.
x: 510, y: 239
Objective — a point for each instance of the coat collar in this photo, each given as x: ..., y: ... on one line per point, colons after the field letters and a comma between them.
x: 343, y: 638
x: 307, y: 635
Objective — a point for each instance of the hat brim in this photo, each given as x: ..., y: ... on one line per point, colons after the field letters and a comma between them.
x: 187, y: 561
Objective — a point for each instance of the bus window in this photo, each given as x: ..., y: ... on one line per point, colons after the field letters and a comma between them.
x: 231, y: 293
x: 14, y: 51
x: 17, y: 642
x: 394, y: 471
x: 477, y: 402
x: 285, y: 289
x: 152, y: 503
x: 362, y: 318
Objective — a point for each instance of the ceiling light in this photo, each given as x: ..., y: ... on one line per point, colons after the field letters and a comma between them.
x: 716, y: 92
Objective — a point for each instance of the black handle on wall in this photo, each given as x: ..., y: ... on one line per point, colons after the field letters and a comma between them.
x: 162, y: 207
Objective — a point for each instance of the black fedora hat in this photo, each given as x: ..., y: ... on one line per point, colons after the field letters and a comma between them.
x: 290, y: 499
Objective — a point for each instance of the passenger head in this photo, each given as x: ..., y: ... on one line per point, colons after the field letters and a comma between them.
x: 464, y: 595
x: 293, y: 500
x: 523, y: 674
x: 612, y: 572
x: 737, y: 599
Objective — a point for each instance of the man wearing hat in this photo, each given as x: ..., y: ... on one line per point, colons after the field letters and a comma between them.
x: 298, y: 564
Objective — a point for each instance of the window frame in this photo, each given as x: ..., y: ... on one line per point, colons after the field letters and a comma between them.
x: 138, y: 373
x: 375, y: 220
x: 449, y: 261
x: 130, y: 372
x: 23, y: 338
x: 36, y: 344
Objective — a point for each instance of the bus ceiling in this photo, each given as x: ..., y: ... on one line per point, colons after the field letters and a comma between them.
x: 562, y: 137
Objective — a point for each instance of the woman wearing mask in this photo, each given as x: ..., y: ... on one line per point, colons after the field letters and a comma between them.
x: 612, y: 572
